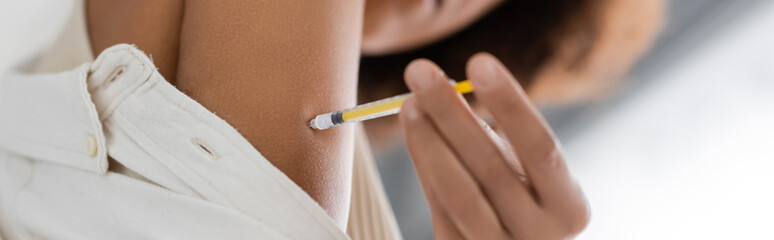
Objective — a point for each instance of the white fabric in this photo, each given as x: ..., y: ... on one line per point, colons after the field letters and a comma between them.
x: 35, y: 111
x: 107, y: 149
x: 62, y: 192
x: 370, y: 215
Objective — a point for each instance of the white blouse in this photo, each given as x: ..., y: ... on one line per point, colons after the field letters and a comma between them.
x: 108, y: 149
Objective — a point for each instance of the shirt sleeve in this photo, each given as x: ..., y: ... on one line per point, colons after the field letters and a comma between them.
x: 370, y: 215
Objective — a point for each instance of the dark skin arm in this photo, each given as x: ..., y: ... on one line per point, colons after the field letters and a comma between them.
x: 266, y: 68
x: 152, y: 25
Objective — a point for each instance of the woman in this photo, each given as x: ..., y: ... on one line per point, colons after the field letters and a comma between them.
x: 266, y: 68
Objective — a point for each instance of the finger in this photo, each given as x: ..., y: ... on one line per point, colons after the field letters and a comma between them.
x: 498, y: 91
x: 449, y: 112
x: 443, y: 227
x: 442, y: 175
x: 442, y: 224
x: 508, y: 153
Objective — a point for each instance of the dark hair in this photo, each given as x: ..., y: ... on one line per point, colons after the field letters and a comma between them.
x: 524, y: 35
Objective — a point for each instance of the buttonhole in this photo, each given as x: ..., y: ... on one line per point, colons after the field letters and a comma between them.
x: 205, y: 148
x: 115, y: 75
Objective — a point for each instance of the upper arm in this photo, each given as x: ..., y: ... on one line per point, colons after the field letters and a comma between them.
x: 267, y: 67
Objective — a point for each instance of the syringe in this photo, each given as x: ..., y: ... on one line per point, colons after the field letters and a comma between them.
x: 380, y: 108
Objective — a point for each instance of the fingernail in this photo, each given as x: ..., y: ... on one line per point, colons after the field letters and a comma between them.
x: 423, y: 76
x: 412, y: 113
x: 488, y: 72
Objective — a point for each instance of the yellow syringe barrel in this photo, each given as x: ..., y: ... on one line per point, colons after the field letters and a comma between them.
x: 374, y: 109
x: 461, y: 87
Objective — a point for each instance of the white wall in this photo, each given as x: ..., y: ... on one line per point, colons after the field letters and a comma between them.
x: 691, y: 156
x: 28, y: 25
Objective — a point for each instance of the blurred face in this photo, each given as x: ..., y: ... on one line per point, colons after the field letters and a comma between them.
x: 398, y: 25
x: 625, y: 30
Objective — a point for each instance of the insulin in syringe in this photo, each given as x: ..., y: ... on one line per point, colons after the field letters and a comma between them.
x: 380, y: 108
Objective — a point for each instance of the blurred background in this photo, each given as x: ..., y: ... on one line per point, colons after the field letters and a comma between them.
x: 684, y: 150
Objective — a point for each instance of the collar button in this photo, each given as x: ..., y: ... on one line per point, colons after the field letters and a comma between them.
x: 91, y: 146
